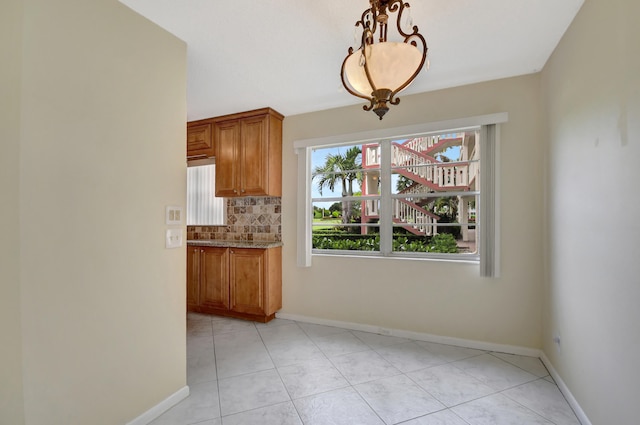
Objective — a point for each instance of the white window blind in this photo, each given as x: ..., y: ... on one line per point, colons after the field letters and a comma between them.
x: 203, y: 208
x: 489, y: 212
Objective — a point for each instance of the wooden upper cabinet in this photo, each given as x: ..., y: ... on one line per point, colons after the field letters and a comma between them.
x: 249, y: 154
x: 200, y: 139
x: 227, y: 135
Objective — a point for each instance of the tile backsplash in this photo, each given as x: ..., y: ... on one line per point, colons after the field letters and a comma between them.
x: 248, y: 219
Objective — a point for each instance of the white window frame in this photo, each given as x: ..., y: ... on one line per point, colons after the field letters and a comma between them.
x: 488, y: 213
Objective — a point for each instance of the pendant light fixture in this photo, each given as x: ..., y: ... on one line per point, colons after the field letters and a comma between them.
x: 380, y: 69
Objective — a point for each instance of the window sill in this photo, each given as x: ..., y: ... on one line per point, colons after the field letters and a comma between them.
x: 452, y: 258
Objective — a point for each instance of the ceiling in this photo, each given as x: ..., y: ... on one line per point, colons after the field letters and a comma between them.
x: 286, y: 54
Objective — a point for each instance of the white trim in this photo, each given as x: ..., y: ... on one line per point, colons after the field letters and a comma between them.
x: 573, y: 403
x: 386, y: 206
x: 497, y: 218
x: 157, y: 410
x: 304, y: 209
x: 418, y: 336
x: 405, y: 131
x: 470, y: 259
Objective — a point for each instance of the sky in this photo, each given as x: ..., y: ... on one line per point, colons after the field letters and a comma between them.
x: 318, y: 157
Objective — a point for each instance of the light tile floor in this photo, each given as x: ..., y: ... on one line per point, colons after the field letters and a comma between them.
x: 286, y: 372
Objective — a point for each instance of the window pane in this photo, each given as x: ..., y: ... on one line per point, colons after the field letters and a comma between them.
x: 330, y: 232
x: 434, y: 182
x: 432, y: 223
x: 446, y: 162
x: 340, y: 171
x: 340, y: 180
x: 417, y: 194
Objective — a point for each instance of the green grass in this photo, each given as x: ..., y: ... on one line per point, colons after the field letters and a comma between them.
x: 329, y: 221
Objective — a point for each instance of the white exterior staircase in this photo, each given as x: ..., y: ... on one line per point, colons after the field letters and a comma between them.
x: 413, y: 159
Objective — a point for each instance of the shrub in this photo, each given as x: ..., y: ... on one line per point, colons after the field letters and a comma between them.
x: 330, y: 239
x: 443, y: 242
x: 366, y: 243
x: 403, y: 243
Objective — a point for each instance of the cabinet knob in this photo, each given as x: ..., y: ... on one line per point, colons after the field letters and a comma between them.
x: 202, y: 250
x: 242, y: 191
x: 235, y: 190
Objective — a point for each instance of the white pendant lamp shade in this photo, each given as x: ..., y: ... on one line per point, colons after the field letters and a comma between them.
x: 390, y: 66
x: 380, y: 69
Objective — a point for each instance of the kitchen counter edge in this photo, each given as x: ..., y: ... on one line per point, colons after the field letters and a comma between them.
x: 234, y: 244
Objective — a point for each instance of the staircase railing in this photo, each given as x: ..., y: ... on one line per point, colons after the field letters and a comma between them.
x: 416, y: 188
x: 440, y: 174
x: 414, y: 218
x: 411, y: 159
x: 426, y: 143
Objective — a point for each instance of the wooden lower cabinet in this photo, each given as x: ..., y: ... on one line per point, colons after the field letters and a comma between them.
x: 236, y: 282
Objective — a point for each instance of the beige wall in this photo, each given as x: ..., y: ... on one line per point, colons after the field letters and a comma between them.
x: 592, y: 87
x: 426, y: 296
x: 101, y: 154
x: 11, y: 399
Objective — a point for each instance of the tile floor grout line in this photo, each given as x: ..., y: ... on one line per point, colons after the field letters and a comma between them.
x: 215, y: 362
x: 350, y: 385
x: 457, y: 364
x: 525, y: 406
x: 492, y: 353
x: 280, y: 377
x: 530, y: 382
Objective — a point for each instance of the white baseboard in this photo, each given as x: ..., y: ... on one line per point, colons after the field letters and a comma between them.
x: 467, y: 343
x: 161, y: 407
x: 582, y: 417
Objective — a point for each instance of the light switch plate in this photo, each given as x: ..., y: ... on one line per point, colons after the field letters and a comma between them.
x: 173, y: 215
x: 173, y: 238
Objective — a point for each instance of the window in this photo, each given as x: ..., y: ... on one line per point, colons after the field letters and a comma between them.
x: 405, y: 194
x: 203, y: 208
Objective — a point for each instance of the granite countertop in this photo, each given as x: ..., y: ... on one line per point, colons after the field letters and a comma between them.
x: 233, y: 244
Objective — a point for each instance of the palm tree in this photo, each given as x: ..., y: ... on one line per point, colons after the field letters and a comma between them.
x: 343, y: 170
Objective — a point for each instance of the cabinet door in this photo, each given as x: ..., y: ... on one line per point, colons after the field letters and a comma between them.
x: 253, y: 157
x: 193, y: 277
x: 247, y: 280
x: 227, y: 139
x: 214, y: 277
x: 199, y: 141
